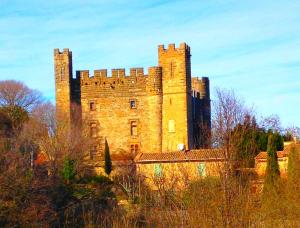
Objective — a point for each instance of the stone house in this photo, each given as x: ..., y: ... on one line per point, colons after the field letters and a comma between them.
x: 176, y: 170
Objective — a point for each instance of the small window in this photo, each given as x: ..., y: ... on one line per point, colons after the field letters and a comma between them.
x: 133, y: 128
x: 132, y: 104
x: 93, y: 130
x: 157, y: 170
x: 93, y: 152
x: 134, y: 149
x: 201, y: 169
x: 171, y: 126
x: 92, y: 106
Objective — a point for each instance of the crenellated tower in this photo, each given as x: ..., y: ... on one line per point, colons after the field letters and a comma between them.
x: 63, y: 81
x: 176, y: 109
x: 138, y: 111
x: 154, y: 92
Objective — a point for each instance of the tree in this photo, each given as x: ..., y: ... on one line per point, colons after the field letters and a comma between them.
x: 228, y: 112
x: 278, y: 140
x: 271, y: 123
x: 68, y: 171
x: 108, y: 163
x: 17, y: 115
x: 272, y: 170
x: 246, y: 141
x: 14, y: 93
x: 5, y: 124
x: 293, y: 166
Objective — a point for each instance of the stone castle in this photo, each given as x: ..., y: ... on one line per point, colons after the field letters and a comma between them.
x: 149, y: 113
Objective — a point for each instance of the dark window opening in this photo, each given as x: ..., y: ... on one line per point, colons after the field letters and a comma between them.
x: 132, y: 104
x: 92, y: 106
x: 134, y: 149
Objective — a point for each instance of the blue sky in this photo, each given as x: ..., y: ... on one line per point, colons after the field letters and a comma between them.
x: 251, y: 46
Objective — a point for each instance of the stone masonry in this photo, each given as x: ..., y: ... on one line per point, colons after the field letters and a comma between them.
x: 140, y: 112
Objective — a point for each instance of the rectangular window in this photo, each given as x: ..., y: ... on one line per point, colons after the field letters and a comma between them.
x: 92, y: 106
x: 171, y: 126
x: 133, y: 128
x: 132, y: 104
x: 202, y: 169
x: 134, y: 149
x: 157, y: 170
x: 93, y: 130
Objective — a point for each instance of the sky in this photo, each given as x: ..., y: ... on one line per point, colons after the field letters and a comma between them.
x: 250, y: 46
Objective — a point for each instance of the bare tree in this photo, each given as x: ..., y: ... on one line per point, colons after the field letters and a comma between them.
x: 271, y: 122
x: 14, y: 93
x: 228, y: 112
x: 45, y: 114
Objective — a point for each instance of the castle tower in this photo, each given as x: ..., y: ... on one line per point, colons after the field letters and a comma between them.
x: 63, y: 81
x: 176, y: 109
x: 201, y: 112
x: 205, y: 131
x: 154, y: 91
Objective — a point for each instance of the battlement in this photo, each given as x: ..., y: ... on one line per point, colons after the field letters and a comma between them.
x: 200, y: 87
x: 58, y: 52
x: 172, y: 47
x: 133, y: 108
x: 118, y: 80
x: 118, y: 73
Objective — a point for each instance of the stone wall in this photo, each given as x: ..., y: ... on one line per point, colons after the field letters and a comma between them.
x: 177, y: 175
x: 113, y: 114
x: 163, y: 100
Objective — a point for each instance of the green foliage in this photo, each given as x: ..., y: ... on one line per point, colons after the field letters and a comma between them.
x: 293, y: 165
x: 108, y: 163
x: 263, y: 139
x: 5, y: 124
x: 68, y: 171
x: 278, y: 141
x: 246, y: 141
x: 17, y: 116
x: 272, y: 170
x: 263, y: 136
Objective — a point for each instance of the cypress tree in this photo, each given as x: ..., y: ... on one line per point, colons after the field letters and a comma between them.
x: 272, y: 170
x: 278, y: 141
x: 68, y: 171
x: 108, y: 163
x: 293, y: 166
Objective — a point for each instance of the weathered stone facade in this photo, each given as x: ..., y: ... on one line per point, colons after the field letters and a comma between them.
x: 139, y: 112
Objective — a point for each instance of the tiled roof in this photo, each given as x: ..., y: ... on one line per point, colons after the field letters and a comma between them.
x: 264, y: 155
x: 280, y: 154
x: 177, y: 156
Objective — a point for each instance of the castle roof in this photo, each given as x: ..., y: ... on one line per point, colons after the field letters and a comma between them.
x: 178, y: 156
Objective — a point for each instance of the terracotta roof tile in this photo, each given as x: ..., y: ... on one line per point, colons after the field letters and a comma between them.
x: 280, y: 154
x: 264, y: 155
x: 177, y: 156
